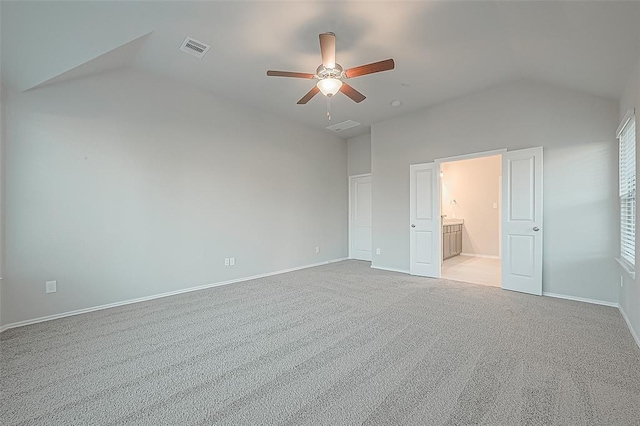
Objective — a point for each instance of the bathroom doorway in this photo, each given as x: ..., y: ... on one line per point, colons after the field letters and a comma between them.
x: 470, y: 205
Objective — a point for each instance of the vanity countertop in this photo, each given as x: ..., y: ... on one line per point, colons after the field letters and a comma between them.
x: 446, y: 221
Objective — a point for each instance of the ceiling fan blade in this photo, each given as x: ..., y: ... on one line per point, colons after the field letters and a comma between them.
x: 356, y: 96
x: 328, y: 49
x: 272, y: 73
x: 306, y: 98
x: 385, y: 65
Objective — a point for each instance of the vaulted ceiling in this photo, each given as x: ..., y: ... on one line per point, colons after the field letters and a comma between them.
x: 442, y: 49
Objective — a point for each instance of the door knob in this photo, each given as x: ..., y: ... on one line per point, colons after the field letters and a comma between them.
x: 535, y: 228
x: 412, y: 225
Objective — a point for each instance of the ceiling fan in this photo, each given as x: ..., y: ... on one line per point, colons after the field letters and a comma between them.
x: 331, y: 76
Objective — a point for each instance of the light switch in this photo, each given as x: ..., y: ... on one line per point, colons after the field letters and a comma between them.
x: 495, y: 205
x: 51, y: 286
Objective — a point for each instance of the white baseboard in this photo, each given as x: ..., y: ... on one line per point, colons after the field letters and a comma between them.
x: 633, y: 333
x: 158, y: 296
x: 390, y: 269
x: 581, y: 299
x: 485, y: 256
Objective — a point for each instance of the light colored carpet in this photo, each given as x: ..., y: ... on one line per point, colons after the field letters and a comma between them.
x: 338, y: 344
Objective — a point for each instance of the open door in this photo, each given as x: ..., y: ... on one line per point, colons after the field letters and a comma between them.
x: 424, y: 220
x: 522, y: 220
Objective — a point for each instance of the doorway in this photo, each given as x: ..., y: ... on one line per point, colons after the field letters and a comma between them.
x: 470, y: 206
x: 521, y: 218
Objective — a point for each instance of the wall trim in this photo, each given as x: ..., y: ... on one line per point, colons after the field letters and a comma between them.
x: 631, y: 272
x: 390, y: 269
x: 633, y: 333
x: 484, y: 256
x: 581, y: 299
x: 268, y: 274
x: 158, y: 296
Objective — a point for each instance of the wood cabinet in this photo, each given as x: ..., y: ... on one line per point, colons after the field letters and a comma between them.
x: 451, y: 240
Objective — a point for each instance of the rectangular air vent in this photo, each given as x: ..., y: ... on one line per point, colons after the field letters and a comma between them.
x: 194, y: 47
x: 343, y: 126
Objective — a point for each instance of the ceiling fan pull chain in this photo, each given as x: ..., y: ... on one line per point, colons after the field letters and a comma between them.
x: 328, y: 108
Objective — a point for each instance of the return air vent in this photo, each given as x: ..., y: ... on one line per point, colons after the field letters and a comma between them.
x: 194, y: 47
x: 343, y: 126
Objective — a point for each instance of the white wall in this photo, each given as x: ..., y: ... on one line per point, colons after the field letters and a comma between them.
x: 2, y: 182
x: 630, y: 292
x: 577, y: 132
x: 359, y: 154
x: 474, y: 185
x: 126, y: 185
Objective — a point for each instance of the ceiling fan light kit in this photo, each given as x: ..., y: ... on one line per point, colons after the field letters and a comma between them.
x: 329, y: 86
x: 331, y: 76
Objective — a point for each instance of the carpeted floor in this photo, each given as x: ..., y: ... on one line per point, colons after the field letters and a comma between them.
x: 338, y: 344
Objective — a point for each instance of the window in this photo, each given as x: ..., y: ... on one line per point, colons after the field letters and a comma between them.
x: 627, y: 137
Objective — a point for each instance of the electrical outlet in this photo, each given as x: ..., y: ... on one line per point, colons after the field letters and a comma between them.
x: 51, y: 286
x: 317, y: 249
x: 226, y: 261
x: 232, y: 261
x: 377, y: 251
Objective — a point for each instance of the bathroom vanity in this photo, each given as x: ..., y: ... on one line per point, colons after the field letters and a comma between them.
x: 451, y: 237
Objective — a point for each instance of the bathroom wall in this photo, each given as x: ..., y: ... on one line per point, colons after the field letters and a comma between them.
x: 471, y: 191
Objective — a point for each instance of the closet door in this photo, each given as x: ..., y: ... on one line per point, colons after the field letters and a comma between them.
x: 360, y: 217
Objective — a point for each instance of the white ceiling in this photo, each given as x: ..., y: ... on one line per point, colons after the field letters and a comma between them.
x: 442, y: 49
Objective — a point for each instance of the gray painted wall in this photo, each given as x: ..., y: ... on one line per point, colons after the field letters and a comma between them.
x: 630, y: 292
x: 359, y: 153
x: 126, y: 185
x: 577, y: 132
x: 2, y: 183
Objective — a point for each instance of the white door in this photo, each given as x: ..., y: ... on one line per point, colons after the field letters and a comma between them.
x: 424, y: 220
x: 522, y: 220
x: 360, y: 221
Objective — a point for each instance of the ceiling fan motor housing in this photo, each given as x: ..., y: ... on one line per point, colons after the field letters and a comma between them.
x: 335, y: 72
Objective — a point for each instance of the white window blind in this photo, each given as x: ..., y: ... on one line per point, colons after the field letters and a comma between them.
x: 627, y: 137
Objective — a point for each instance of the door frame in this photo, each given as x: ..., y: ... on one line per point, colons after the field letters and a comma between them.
x: 502, y: 211
x: 481, y: 154
x: 470, y: 156
x: 350, y: 200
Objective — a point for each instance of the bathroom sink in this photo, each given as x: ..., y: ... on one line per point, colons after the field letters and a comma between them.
x: 446, y: 221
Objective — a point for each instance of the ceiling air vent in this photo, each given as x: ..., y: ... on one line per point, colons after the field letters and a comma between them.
x: 194, y: 47
x: 343, y: 126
